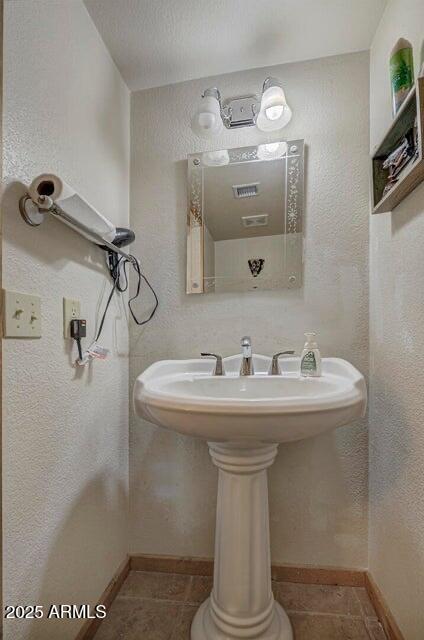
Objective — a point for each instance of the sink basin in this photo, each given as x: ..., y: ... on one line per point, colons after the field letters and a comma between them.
x: 243, y: 420
x: 184, y: 396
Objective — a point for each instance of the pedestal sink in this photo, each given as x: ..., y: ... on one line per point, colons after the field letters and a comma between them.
x: 243, y: 419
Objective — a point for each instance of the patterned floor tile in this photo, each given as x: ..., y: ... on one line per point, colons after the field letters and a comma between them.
x: 317, y: 598
x: 159, y: 586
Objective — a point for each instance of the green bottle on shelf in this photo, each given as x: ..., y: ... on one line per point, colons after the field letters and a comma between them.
x: 401, y: 72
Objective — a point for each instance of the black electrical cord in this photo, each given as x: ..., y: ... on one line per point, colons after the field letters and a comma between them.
x: 141, y: 276
x: 102, y: 321
x: 118, y: 269
x: 78, y: 341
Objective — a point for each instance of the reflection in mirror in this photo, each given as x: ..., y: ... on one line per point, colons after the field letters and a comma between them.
x: 244, y: 224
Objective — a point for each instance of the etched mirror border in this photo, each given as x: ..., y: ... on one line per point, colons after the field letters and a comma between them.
x: 294, y: 192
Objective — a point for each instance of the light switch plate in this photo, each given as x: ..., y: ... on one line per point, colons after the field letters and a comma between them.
x: 71, y: 310
x: 21, y: 315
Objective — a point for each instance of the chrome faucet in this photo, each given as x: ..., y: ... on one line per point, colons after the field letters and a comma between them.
x: 275, y: 369
x: 219, y: 368
x: 246, y: 368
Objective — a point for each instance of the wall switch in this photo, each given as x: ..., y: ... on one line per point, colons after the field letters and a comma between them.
x: 71, y: 311
x: 21, y: 315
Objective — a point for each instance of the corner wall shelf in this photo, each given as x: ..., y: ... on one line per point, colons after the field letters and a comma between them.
x: 413, y: 174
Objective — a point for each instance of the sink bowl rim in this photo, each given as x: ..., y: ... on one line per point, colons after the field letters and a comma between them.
x: 351, y: 392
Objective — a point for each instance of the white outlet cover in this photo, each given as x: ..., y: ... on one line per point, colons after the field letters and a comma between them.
x: 22, y: 315
x: 71, y: 310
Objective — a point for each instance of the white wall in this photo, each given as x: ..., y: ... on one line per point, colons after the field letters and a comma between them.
x: 396, y: 341
x: 65, y: 446
x: 318, y: 488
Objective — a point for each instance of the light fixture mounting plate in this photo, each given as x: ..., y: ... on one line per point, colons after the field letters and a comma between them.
x: 241, y: 111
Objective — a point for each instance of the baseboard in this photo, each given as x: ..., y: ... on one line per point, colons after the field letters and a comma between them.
x: 90, y: 627
x: 382, y: 610
x: 282, y: 572
x: 318, y: 575
x: 172, y: 564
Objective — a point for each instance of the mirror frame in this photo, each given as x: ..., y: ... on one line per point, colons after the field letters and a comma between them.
x: 294, y: 194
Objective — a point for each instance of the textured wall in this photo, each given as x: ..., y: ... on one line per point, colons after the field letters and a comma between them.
x: 65, y: 446
x: 318, y: 488
x: 396, y: 342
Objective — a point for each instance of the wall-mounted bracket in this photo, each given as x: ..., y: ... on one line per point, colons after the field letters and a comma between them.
x: 30, y: 212
x: 34, y: 214
x: 240, y: 112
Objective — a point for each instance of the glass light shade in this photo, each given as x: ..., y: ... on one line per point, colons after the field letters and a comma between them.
x: 272, y: 150
x: 206, y: 121
x: 216, y: 158
x: 275, y: 112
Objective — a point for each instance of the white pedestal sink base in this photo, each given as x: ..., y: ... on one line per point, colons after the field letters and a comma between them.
x: 203, y: 627
x: 246, y: 411
x: 241, y: 604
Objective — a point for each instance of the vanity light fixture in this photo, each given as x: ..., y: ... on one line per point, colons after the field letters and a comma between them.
x: 216, y: 158
x: 275, y: 113
x: 207, y: 120
x: 268, y: 111
x: 272, y: 150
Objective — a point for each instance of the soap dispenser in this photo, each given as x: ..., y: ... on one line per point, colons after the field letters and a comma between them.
x: 310, y: 363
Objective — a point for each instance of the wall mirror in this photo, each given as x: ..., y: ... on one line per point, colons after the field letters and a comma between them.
x: 244, y: 223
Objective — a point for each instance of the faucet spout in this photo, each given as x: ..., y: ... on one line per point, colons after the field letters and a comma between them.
x: 246, y: 368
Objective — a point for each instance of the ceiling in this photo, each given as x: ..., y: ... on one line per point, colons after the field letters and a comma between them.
x: 223, y: 212
x: 159, y: 42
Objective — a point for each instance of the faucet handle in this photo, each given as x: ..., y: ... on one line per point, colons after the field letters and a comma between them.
x: 219, y: 369
x: 275, y: 369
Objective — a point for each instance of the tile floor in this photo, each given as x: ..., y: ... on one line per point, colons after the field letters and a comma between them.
x: 160, y: 606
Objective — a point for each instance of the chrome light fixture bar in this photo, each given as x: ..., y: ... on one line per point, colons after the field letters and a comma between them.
x: 269, y: 111
x: 240, y: 112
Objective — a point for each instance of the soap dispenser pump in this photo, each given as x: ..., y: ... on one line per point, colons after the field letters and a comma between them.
x: 310, y: 363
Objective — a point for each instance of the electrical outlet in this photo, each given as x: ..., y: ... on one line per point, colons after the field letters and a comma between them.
x: 71, y: 310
